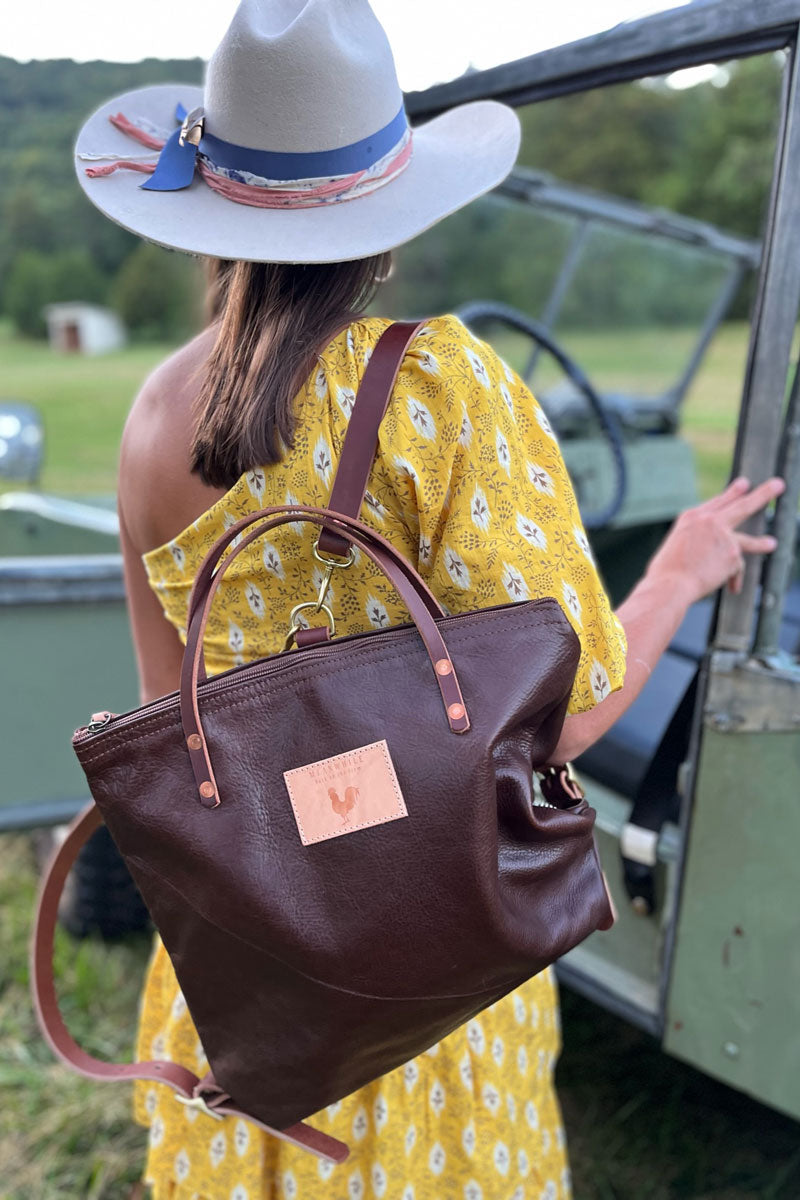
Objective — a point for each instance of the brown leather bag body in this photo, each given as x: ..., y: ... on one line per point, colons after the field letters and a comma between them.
x: 341, y: 846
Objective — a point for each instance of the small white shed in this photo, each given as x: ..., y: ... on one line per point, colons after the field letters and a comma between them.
x: 84, y: 328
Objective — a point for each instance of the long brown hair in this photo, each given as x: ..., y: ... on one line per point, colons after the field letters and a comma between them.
x: 274, y: 319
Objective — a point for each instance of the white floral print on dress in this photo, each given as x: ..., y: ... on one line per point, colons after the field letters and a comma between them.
x: 253, y: 596
x: 156, y: 1135
x: 437, y: 1098
x: 514, y: 584
x: 507, y: 399
x: 345, y: 398
x: 182, y: 1166
x: 600, y: 683
x: 541, y: 417
x: 457, y: 569
x: 410, y: 1075
x: 323, y: 463
x: 427, y: 361
x: 241, y: 1137
x: 437, y: 1158
x: 296, y: 526
x: 421, y: 418
x: 478, y: 367
x: 571, y: 600
x: 178, y: 555
x: 541, y: 480
x: 321, y: 383
x: 502, y: 1158
x: 479, y: 510
x: 469, y: 1138
x: 491, y: 1098
x: 376, y: 613
x: 218, y: 1148
x: 531, y: 532
x: 583, y: 543
x: 360, y: 1124
x: 355, y: 1185
x: 475, y: 1037
x: 379, y: 1180
x: 256, y: 483
x: 503, y: 452
x: 465, y: 436
x: 273, y: 561
x: 411, y: 1137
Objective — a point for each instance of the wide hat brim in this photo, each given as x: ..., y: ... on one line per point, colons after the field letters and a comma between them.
x: 457, y: 156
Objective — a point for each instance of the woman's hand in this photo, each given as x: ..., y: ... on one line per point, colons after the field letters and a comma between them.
x: 703, y: 550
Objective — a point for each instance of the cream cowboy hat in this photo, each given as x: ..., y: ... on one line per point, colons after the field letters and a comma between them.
x: 298, y: 149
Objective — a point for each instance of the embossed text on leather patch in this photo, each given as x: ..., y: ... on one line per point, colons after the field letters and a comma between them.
x: 347, y: 792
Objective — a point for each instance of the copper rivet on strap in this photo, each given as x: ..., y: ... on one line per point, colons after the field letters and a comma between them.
x: 455, y: 712
x: 194, y: 741
x: 444, y: 667
x: 207, y: 789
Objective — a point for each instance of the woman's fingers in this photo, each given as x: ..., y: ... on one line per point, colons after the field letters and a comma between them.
x: 739, y: 487
x: 750, y: 544
x: 739, y: 507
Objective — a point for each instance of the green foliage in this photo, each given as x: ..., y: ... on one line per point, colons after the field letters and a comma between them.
x: 38, y: 279
x: 26, y: 292
x: 706, y: 152
x: 155, y: 292
x: 42, y: 208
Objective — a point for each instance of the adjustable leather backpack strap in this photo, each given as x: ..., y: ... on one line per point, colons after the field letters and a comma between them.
x: 361, y: 439
x: 205, y: 1094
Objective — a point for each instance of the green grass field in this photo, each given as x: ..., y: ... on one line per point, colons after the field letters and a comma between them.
x: 84, y: 400
x: 640, y: 1126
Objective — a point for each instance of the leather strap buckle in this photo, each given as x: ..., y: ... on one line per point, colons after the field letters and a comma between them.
x: 199, y: 1103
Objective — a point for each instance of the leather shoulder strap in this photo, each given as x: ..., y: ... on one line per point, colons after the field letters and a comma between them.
x: 204, y: 1093
x: 361, y: 439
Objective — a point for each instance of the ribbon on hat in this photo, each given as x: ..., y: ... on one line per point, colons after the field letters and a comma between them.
x: 176, y: 162
x: 263, y: 178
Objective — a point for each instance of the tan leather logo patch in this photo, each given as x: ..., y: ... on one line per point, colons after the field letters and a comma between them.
x: 347, y: 792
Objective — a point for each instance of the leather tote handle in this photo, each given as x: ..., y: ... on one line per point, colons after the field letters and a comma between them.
x: 406, y: 580
x: 205, y: 572
x: 203, y: 1093
x: 361, y: 439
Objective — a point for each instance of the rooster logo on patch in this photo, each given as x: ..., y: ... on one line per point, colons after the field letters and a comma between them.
x: 346, y: 806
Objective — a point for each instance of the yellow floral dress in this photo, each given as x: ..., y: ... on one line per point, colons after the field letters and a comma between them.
x: 469, y: 484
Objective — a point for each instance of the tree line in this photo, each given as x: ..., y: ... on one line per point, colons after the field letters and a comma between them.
x: 705, y: 152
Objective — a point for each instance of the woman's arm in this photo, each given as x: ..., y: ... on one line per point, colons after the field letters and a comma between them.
x: 702, y: 551
x: 159, y: 650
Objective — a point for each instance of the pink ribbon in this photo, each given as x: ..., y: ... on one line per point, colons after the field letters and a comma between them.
x: 246, y: 193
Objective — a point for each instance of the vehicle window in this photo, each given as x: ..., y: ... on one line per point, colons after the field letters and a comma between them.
x: 631, y: 229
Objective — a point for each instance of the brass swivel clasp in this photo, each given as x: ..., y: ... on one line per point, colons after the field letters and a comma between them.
x: 330, y: 564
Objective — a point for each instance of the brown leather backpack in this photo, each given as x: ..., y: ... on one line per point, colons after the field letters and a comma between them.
x: 342, y: 847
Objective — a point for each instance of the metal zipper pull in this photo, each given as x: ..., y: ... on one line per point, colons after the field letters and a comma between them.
x: 99, y: 721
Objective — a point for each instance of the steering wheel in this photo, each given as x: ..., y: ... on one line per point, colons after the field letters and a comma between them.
x: 478, y: 311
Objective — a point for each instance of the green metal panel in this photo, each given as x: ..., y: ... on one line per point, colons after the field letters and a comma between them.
x: 60, y: 663
x: 733, y: 1006
x: 622, y: 967
x: 661, y: 477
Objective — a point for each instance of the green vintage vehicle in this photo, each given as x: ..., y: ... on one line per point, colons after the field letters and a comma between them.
x: 697, y: 787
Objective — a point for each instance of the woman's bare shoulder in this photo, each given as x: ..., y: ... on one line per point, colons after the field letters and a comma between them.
x: 157, y: 490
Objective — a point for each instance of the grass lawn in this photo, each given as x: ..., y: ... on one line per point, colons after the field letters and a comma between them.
x: 84, y: 401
